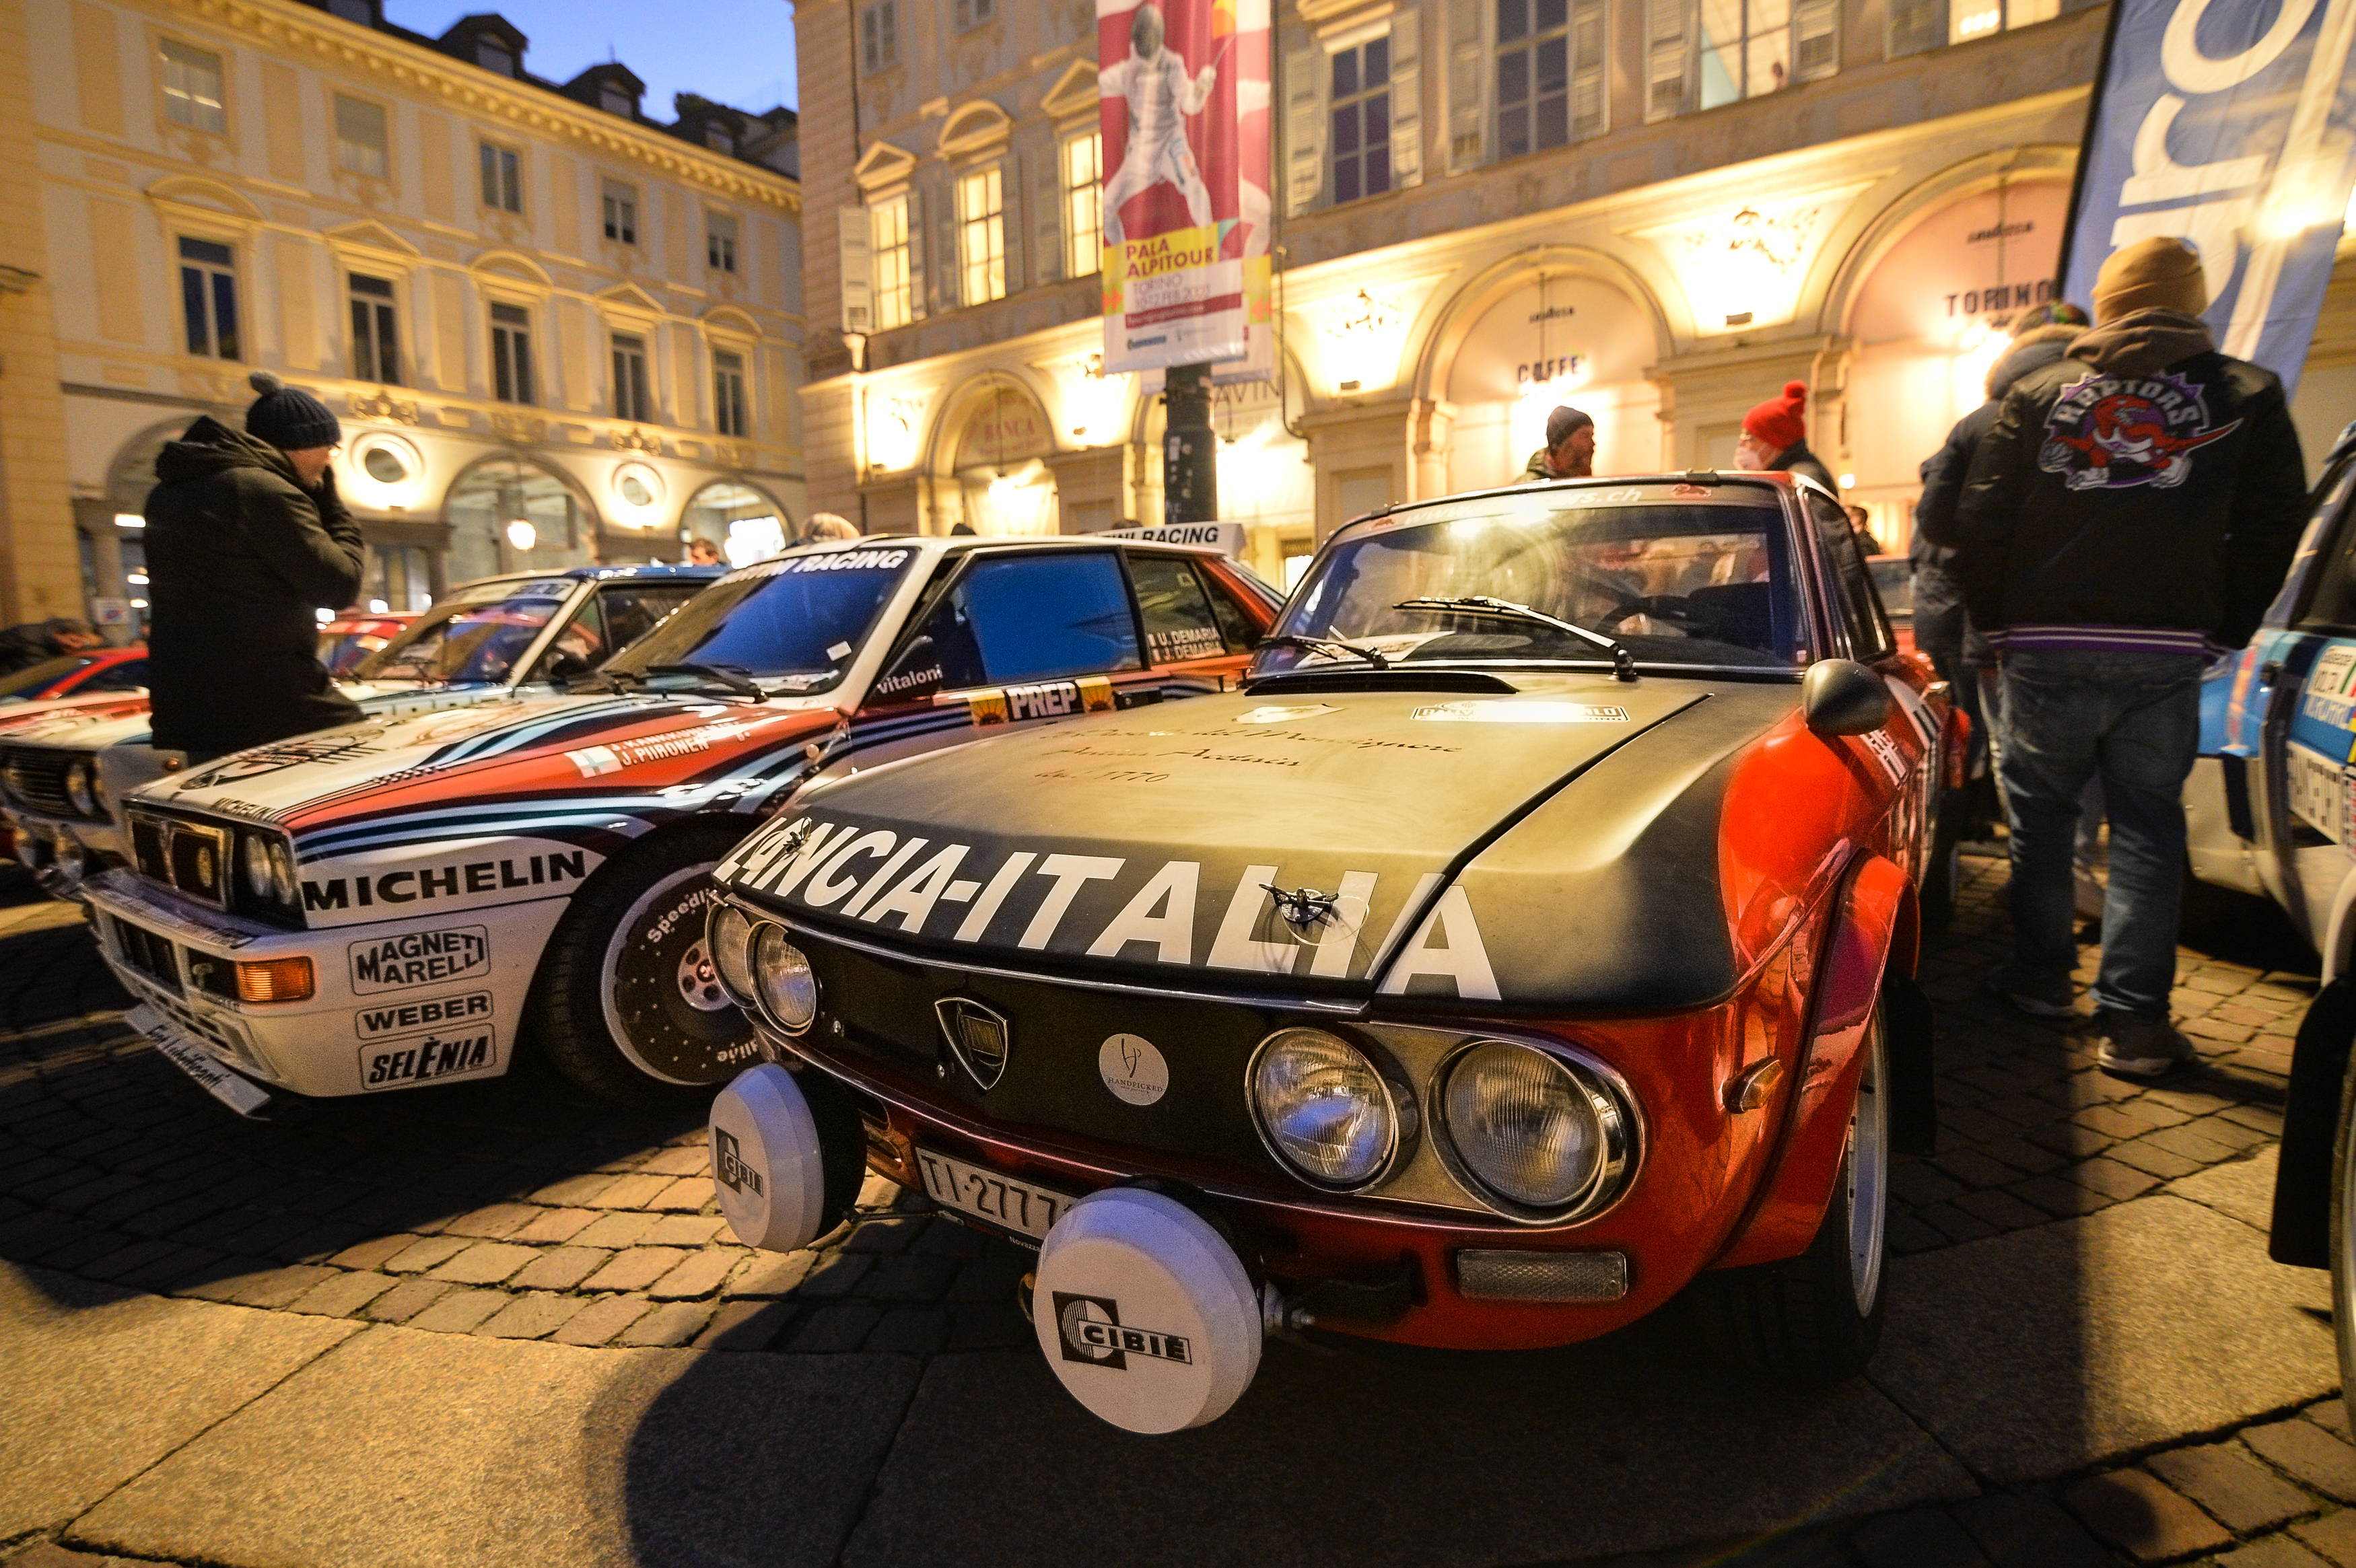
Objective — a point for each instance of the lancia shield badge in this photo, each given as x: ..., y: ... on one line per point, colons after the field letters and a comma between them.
x: 977, y: 1036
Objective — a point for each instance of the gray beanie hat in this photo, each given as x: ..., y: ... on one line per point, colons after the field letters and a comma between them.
x: 1562, y: 422
x: 289, y: 418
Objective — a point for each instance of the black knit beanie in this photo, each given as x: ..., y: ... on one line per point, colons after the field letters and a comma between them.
x: 289, y: 418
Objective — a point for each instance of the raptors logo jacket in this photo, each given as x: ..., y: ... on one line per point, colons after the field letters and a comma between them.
x: 2142, y: 495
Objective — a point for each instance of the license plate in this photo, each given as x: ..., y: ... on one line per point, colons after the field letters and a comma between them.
x: 1018, y: 1206
x: 214, y: 1079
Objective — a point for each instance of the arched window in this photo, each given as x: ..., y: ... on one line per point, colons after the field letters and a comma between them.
x: 745, y: 524
x: 509, y: 515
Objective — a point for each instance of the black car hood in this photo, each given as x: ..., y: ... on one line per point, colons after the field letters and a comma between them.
x: 1548, y: 850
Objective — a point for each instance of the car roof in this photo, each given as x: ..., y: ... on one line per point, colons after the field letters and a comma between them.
x: 1775, y: 479
x: 936, y: 547
x: 653, y: 572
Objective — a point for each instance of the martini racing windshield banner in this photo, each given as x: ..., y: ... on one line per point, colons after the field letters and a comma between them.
x: 2232, y: 125
x: 1183, y: 88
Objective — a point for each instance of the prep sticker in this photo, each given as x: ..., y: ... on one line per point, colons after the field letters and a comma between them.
x: 432, y: 1013
x: 429, y: 1059
x: 1050, y: 700
x: 1481, y: 711
x: 421, y: 958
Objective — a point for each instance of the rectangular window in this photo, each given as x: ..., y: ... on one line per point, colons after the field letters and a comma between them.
x: 972, y: 12
x: 208, y: 298
x: 1361, y: 118
x: 1969, y: 19
x: 510, y: 354
x: 376, y: 355
x: 1744, y: 49
x: 879, y: 37
x: 889, y: 275
x: 360, y: 144
x: 630, y: 378
x: 614, y: 101
x: 1665, y: 58
x: 502, y: 177
x: 981, y: 235
x: 719, y: 241
x: 1549, y: 73
x: 621, y: 212
x: 728, y: 392
x: 495, y: 56
x: 192, y: 88
x: 1084, y: 203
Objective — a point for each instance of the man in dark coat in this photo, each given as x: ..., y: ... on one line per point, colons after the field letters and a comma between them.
x: 1569, y: 452
x: 2133, y: 508
x: 1775, y: 439
x: 22, y: 648
x: 246, y: 540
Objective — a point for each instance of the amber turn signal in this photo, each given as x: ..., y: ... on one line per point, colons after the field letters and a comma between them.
x: 275, y: 980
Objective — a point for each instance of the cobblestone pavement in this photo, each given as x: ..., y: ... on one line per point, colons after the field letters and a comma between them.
x: 514, y: 1209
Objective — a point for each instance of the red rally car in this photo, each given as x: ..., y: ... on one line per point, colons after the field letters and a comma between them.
x: 1528, y: 941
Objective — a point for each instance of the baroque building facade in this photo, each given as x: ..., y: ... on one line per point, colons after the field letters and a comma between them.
x: 557, y: 330
x: 1660, y: 211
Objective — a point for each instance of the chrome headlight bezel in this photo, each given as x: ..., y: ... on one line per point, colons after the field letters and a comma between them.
x: 80, y: 792
x: 1607, y: 1095
x: 254, y: 876
x: 265, y: 875
x: 782, y: 1003
x: 732, y: 951
x: 1397, y: 1103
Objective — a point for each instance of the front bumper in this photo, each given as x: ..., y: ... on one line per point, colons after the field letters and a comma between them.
x: 398, y: 1004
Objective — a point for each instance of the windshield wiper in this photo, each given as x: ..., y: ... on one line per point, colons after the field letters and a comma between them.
x: 1328, y: 646
x: 605, y: 680
x: 1623, y: 663
x: 727, y: 677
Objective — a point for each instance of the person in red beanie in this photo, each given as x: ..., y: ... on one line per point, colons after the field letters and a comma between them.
x: 1775, y: 439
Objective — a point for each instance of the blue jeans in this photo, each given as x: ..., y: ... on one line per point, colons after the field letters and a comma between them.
x: 2133, y: 720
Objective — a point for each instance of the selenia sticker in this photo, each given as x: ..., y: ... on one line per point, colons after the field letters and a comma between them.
x: 1132, y: 1069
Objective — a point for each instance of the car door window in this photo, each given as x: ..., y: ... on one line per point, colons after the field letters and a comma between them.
x: 1238, y: 628
x: 1179, y: 621
x: 631, y: 610
x: 2332, y: 605
x: 1020, y: 618
x: 581, y: 644
x: 1855, y: 599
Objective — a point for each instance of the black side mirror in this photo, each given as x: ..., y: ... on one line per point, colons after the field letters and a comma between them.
x: 1841, y: 696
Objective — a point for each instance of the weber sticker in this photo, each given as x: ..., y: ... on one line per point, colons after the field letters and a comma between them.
x: 433, y: 1012
x: 421, y: 958
x: 429, y: 1059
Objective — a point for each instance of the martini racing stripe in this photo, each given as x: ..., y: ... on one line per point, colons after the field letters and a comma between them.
x: 603, y: 820
x: 538, y: 728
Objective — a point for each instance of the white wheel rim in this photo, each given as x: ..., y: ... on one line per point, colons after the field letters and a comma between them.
x: 615, y: 946
x: 1868, y: 1174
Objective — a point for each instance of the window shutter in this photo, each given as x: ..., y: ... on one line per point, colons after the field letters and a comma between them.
x: 1468, y: 86
x: 1305, y: 128
x: 1045, y: 162
x: 920, y: 277
x: 857, y: 273
x: 1407, y: 99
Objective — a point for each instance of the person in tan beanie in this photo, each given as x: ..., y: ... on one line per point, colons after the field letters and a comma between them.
x: 2128, y: 516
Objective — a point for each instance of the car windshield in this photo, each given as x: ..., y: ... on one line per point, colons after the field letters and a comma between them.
x: 476, y: 636
x: 1894, y: 575
x: 796, y: 622
x: 29, y: 682
x: 1698, y: 580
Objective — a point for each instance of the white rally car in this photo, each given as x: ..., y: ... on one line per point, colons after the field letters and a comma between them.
x: 408, y: 899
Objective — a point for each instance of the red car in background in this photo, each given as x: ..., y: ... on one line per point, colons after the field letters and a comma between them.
x: 353, y: 635
x: 73, y: 675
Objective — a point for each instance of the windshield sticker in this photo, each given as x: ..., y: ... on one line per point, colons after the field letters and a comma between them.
x: 848, y: 561
x: 1184, y: 642
x: 1279, y: 713
x: 421, y: 958
x: 1504, y: 712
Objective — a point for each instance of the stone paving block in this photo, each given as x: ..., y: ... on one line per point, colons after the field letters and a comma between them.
x: 768, y: 1273
x: 2243, y: 1494
x: 556, y: 1226
x: 831, y: 1330
x: 1921, y: 1538
x: 341, y: 1294
x: 279, y: 1287
x: 498, y: 1220
x: 599, y: 1321
x: 2331, y: 1414
x: 1953, y: 1223
x: 2223, y: 1129
x: 2309, y: 1455
x: 2142, y: 1516
x: 614, y: 1230
x: 1908, y: 1235
x: 534, y: 1314
x: 2274, y: 1552
x: 485, y: 1262
x: 2333, y: 1537
x: 87, y: 1247
x: 460, y: 1312
x: 127, y: 1260
x: 426, y: 1252
x: 2022, y: 1155
x: 2263, y: 1119
x: 673, y: 1324
x: 560, y: 1268
x: 882, y: 1236
x: 407, y: 1299
x: 745, y: 1326
x: 2149, y: 1157
x: 699, y: 1274
x: 1974, y: 1168
x: 988, y: 1326
x: 2000, y: 1210
x: 946, y: 1238
x: 2112, y: 1180
x: 1919, y: 1182
x: 910, y: 1331
x: 693, y: 1159
x: 908, y: 1278
x: 2069, y: 1140
x: 373, y: 1251
x: 682, y: 1231
x: 635, y: 1269
x: 833, y: 1274
x: 2029, y: 1530
x: 2191, y: 1143
x: 575, y: 1191
x: 685, y: 1195
x: 632, y: 1191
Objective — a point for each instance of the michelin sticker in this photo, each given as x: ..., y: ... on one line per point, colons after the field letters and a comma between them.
x: 421, y: 958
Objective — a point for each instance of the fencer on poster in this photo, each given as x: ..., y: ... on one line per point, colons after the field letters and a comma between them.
x: 1183, y: 89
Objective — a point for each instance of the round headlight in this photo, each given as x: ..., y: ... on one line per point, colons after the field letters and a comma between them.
x: 100, y: 806
x: 781, y: 974
x: 78, y: 789
x: 254, y: 862
x: 1528, y: 1125
x: 282, y: 872
x: 729, y: 934
x: 1323, y: 1107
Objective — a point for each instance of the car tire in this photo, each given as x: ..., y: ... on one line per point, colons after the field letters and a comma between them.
x: 1816, y: 1318
x: 2342, y: 1243
x: 625, y: 1006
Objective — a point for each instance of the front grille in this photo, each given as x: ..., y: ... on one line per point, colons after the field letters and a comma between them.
x: 147, y: 953
x: 37, y: 779
x: 189, y: 856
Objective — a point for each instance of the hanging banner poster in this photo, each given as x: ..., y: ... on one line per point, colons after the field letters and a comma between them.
x: 2231, y: 126
x: 1183, y: 93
